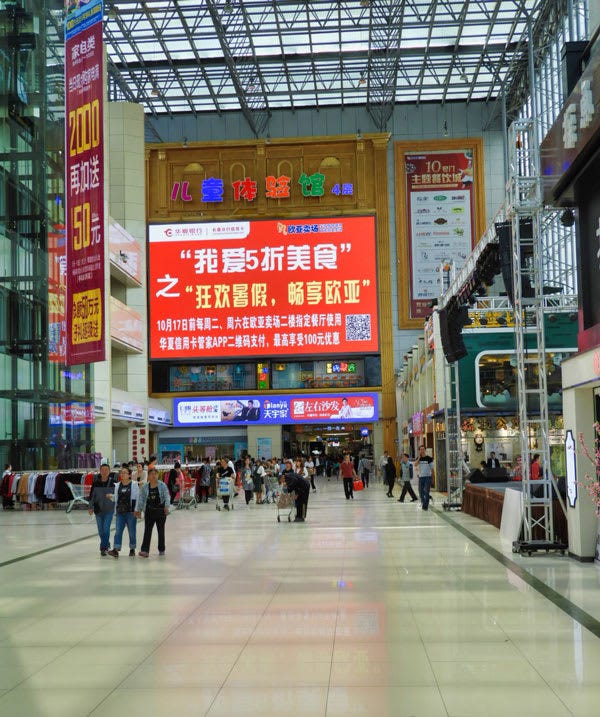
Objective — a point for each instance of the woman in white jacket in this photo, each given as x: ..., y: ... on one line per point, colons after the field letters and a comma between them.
x: 125, y: 497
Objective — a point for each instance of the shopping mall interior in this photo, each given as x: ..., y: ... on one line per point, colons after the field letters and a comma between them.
x: 245, y: 228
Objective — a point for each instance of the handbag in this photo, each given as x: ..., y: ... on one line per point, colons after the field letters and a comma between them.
x: 358, y: 485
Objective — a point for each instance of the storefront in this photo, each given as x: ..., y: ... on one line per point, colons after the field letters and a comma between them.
x: 269, y: 272
x: 282, y: 425
x: 571, y: 167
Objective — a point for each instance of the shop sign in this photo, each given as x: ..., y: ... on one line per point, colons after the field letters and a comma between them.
x: 212, y: 189
x: 275, y: 410
x: 572, y: 131
x: 417, y: 424
x: 571, y: 463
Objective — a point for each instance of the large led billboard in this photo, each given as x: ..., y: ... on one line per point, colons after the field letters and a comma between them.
x: 263, y: 288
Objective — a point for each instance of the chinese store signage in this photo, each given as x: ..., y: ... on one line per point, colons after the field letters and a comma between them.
x: 263, y: 288
x: 248, y: 189
x: 248, y: 410
x: 84, y: 183
x: 572, y: 133
x: 440, y: 218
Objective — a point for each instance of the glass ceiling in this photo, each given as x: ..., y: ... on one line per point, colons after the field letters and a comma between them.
x: 260, y: 55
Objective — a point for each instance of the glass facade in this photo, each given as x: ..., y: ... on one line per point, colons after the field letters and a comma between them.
x: 46, y: 411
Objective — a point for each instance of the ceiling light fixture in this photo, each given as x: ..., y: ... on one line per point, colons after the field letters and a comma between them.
x: 155, y: 92
x: 363, y: 79
x: 228, y: 6
x: 358, y: 135
x: 445, y: 129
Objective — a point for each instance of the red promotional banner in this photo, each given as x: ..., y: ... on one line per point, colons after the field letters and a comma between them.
x: 56, y: 294
x: 263, y: 288
x: 440, y: 220
x: 84, y: 184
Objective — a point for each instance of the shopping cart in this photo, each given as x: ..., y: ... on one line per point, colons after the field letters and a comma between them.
x: 79, y: 493
x: 225, y: 487
x: 187, y: 494
x: 285, y: 502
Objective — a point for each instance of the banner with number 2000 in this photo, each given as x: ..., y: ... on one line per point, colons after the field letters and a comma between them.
x: 84, y: 184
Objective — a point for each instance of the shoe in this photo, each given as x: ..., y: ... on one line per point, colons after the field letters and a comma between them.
x: 143, y: 554
x: 162, y: 554
x: 132, y: 553
x: 400, y: 501
x: 413, y: 500
x: 425, y: 508
x: 103, y: 553
x: 114, y: 553
x: 226, y: 507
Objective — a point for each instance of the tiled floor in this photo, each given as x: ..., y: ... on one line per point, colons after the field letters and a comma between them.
x: 370, y: 608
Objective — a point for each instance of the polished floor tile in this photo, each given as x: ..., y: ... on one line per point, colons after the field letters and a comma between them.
x: 369, y: 608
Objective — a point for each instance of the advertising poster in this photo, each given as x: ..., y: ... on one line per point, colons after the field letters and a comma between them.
x: 57, y: 280
x: 275, y: 410
x: 440, y: 218
x: 84, y: 184
x: 263, y: 288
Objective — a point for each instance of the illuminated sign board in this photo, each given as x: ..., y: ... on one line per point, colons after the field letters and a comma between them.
x: 275, y: 410
x: 263, y: 288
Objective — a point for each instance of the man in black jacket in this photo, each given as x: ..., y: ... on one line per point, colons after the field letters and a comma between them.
x: 101, y: 503
x: 296, y: 483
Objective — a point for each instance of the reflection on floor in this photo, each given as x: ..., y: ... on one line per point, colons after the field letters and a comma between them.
x: 369, y: 608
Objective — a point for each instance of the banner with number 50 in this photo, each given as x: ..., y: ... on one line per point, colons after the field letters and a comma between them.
x: 84, y: 184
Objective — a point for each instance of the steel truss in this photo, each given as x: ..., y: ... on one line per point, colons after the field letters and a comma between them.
x: 524, y: 202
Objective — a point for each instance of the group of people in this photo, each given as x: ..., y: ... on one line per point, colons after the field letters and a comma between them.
x: 140, y: 492
x: 404, y: 475
x: 126, y: 500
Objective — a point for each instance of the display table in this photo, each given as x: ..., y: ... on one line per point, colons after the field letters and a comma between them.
x: 487, y: 501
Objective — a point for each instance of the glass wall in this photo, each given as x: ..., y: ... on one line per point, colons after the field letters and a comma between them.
x: 46, y: 415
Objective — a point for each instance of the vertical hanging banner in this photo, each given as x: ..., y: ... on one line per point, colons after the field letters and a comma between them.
x: 84, y: 182
x: 440, y: 217
x: 57, y: 277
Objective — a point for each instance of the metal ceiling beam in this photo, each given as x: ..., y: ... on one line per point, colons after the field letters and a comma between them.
x: 383, y: 60
x: 245, y: 73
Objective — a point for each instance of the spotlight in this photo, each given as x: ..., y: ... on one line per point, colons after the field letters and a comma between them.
x: 358, y: 134
x: 567, y: 218
x: 445, y: 129
x: 574, y: 316
x: 483, y: 321
x: 501, y: 321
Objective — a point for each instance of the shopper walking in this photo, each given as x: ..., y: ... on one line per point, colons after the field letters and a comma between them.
x: 425, y: 471
x: 381, y: 464
x: 203, y: 482
x: 247, y: 480
x: 364, y: 469
x: 389, y: 476
x: 347, y: 474
x: 125, y: 498
x: 296, y: 483
x: 101, y: 504
x: 154, y: 502
x: 405, y: 477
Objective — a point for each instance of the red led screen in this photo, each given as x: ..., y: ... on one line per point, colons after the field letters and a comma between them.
x: 263, y: 288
